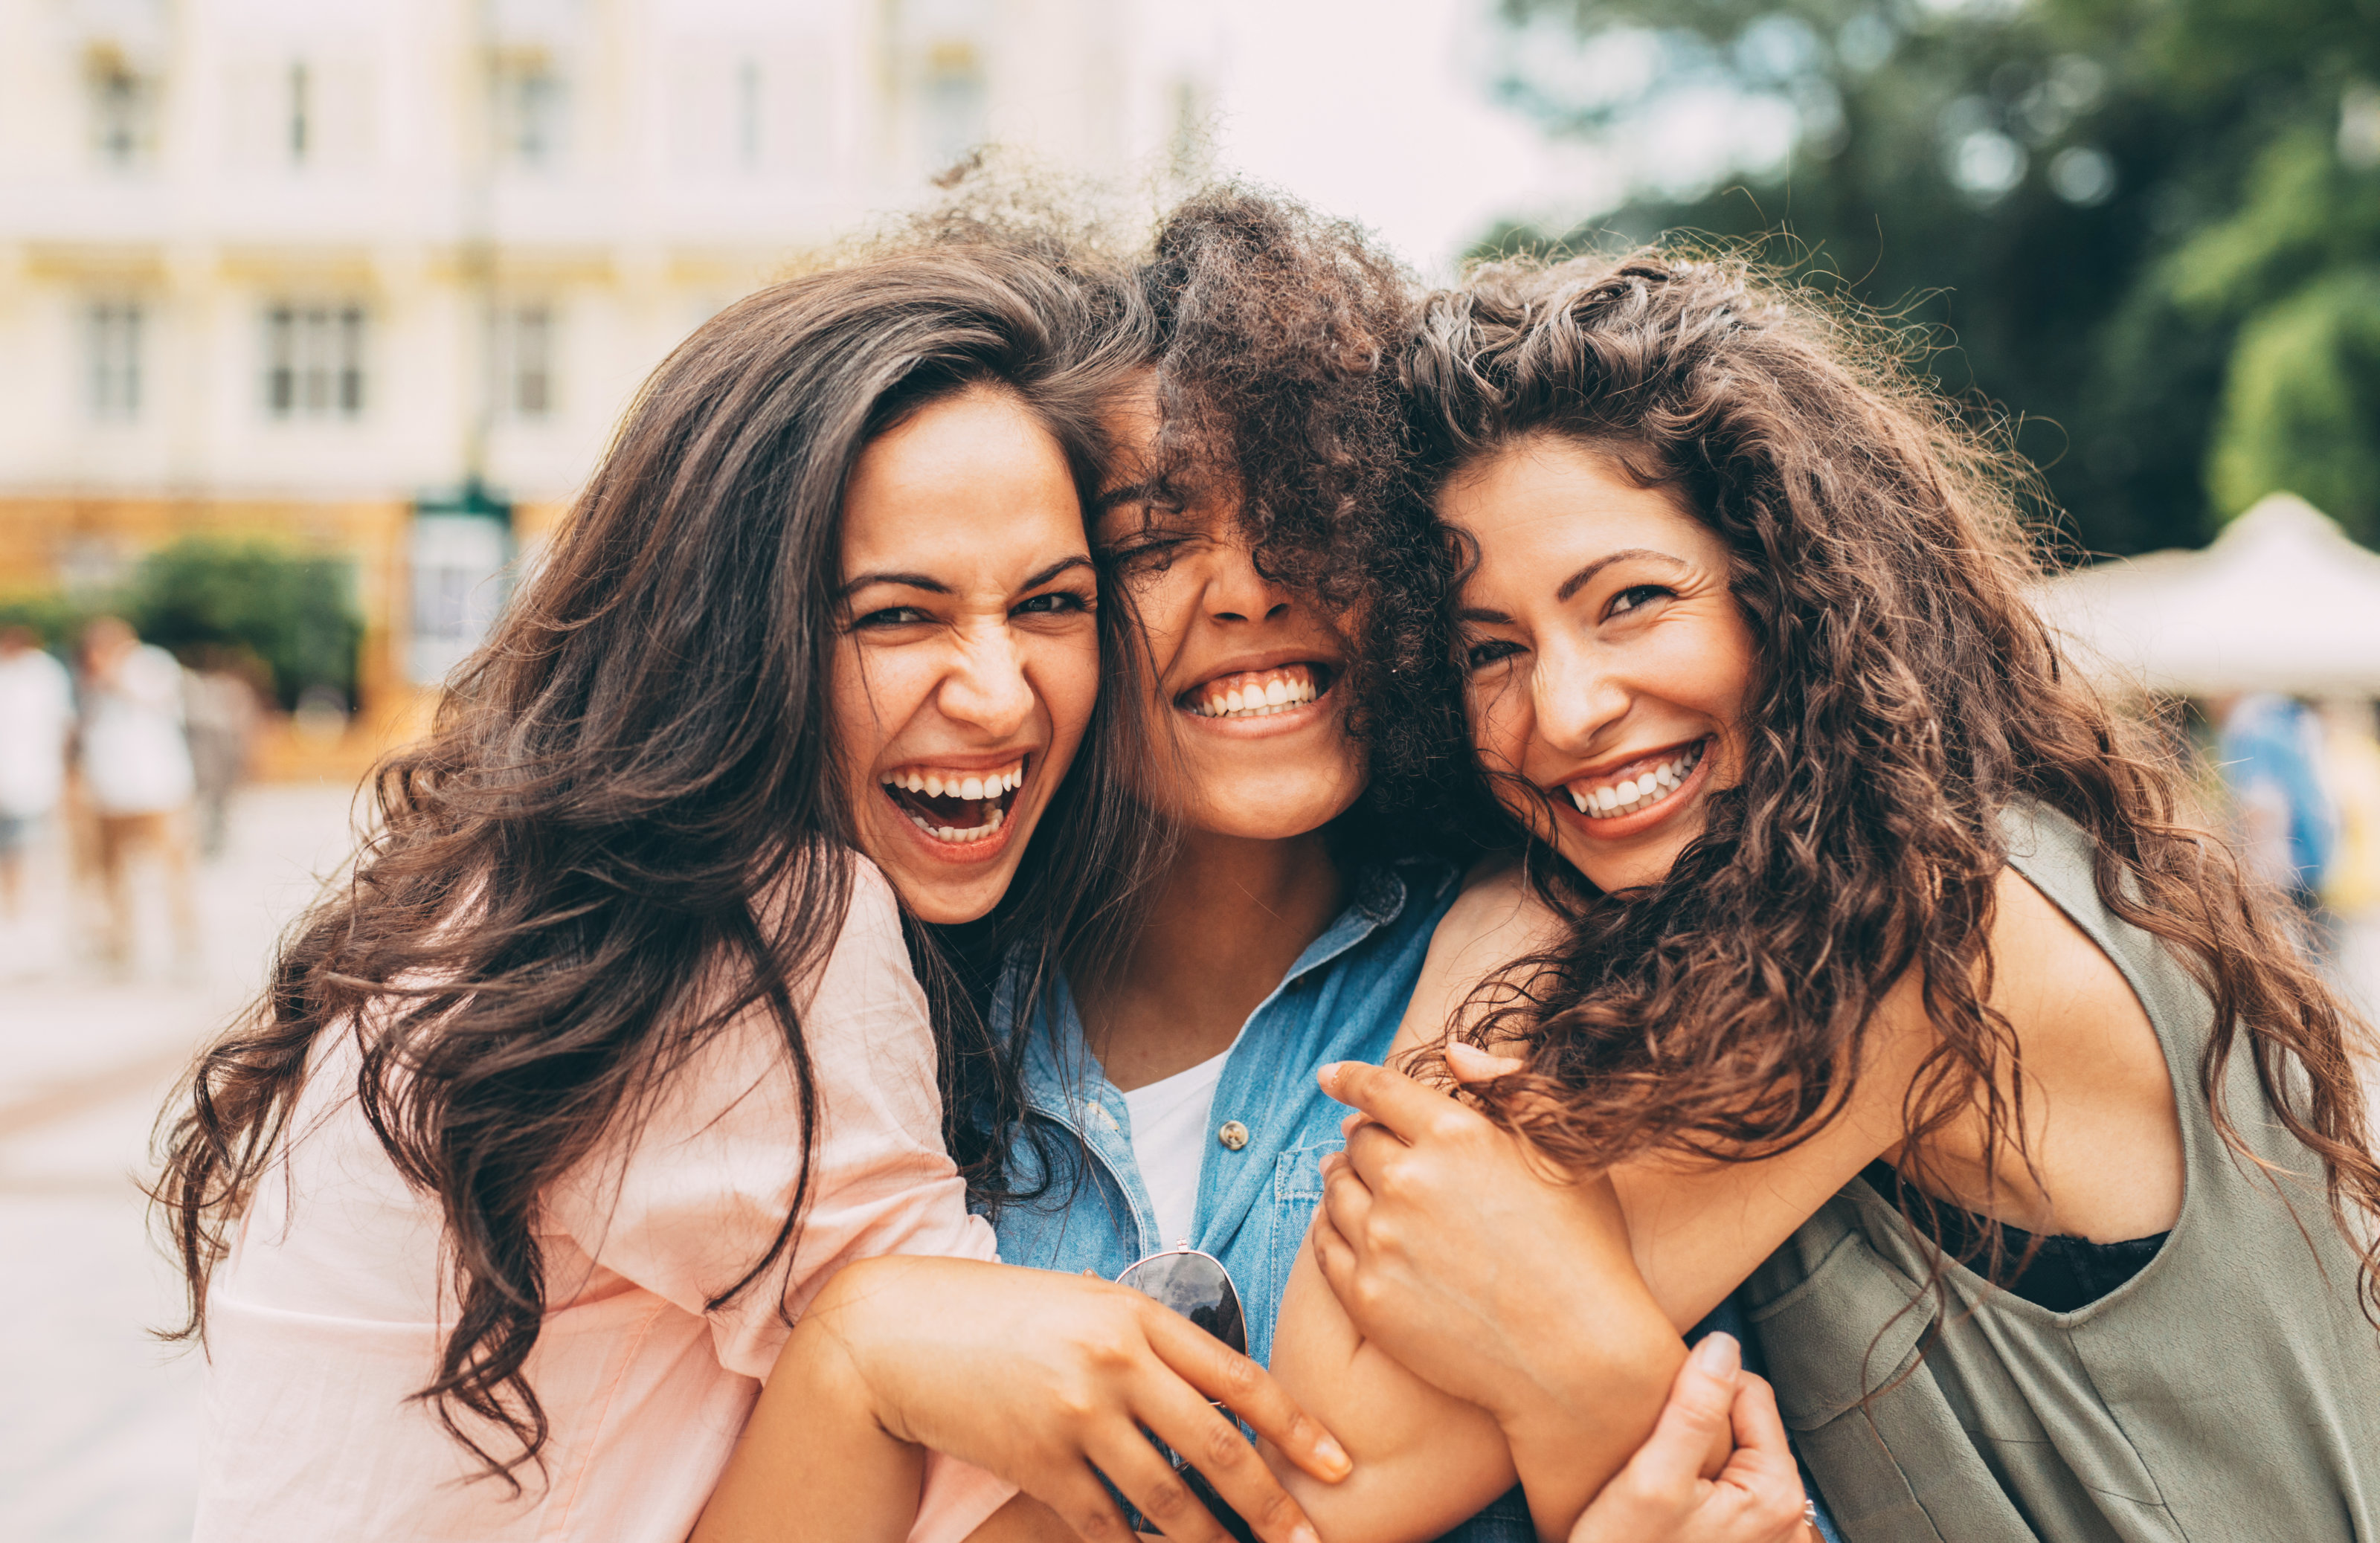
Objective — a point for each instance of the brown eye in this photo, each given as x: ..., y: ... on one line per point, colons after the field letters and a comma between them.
x: 1635, y: 597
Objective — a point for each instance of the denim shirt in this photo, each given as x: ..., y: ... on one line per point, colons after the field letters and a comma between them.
x: 1342, y: 1001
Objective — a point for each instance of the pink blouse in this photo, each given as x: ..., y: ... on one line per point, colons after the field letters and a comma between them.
x: 328, y: 1313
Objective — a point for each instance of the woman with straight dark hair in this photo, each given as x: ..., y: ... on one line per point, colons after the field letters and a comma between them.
x: 609, y: 1053
x: 1860, y: 956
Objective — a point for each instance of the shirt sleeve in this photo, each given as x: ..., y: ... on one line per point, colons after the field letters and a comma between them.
x: 686, y: 1203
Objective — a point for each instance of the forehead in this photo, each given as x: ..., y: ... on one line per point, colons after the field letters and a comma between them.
x: 1547, y: 495
x: 971, y: 471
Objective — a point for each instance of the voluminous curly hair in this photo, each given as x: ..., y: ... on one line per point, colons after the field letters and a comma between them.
x: 1277, y: 339
x: 1907, y: 693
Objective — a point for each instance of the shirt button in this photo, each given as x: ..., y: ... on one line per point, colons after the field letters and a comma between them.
x: 1232, y: 1135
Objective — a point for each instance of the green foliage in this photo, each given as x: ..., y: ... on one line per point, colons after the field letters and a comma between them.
x: 2123, y: 218
x: 2301, y: 407
x: 55, y: 619
x: 296, y: 614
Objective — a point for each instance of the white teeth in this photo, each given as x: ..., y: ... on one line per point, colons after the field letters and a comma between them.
x: 1256, y: 699
x: 1631, y: 794
x: 933, y: 786
x: 971, y: 788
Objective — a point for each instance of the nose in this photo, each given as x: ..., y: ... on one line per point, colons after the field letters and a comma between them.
x: 1575, y: 696
x: 1237, y: 591
x: 987, y: 689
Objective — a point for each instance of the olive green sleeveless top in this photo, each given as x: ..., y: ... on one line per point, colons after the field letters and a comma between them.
x: 2230, y: 1391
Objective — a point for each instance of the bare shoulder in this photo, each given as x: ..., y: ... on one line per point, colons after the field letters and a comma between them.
x: 1496, y: 919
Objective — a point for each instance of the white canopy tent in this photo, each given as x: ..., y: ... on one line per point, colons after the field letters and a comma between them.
x: 2282, y: 602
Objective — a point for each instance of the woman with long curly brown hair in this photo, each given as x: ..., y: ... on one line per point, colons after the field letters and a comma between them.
x: 1866, y: 959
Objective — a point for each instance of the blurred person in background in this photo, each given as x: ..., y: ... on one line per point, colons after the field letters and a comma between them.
x: 2269, y: 749
x: 220, y: 707
x: 137, y: 778
x: 36, y: 719
x: 2350, y: 772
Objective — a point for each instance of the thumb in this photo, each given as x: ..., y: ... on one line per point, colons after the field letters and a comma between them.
x: 1470, y: 1063
x: 1699, y: 1413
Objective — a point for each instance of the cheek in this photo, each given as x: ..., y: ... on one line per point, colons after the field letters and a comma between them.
x: 1065, y: 676
x: 872, y: 696
x: 1500, y: 722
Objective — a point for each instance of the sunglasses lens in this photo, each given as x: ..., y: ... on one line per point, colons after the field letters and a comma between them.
x: 1198, y: 1288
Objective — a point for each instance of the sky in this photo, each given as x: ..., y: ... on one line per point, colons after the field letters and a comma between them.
x: 1380, y: 111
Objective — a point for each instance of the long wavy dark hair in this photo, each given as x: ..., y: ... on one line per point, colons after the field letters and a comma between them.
x: 627, y: 827
x: 1908, y: 693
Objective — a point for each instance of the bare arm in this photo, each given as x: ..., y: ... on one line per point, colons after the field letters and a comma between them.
x: 1426, y: 1458
x: 1037, y: 1376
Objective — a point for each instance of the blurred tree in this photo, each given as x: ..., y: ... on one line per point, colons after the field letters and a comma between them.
x: 293, y: 613
x: 2150, y: 228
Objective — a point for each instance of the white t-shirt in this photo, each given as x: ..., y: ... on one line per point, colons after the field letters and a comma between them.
x: 134, y: 760
x: 36, y: 709
x: 1170, y: 1140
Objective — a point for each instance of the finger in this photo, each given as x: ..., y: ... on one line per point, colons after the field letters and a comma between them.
x: 1762, y: 1466
x: 1368, y: 1148
x: 1232, y: 1466
x: 1696, y: 1418
x: 1084, y: 1503
x: 1215, y: 1371
x: 1758, y: 1427
x: 1393, y: 1098
x: 1331, y: 1253
x: 1148, y: 1481
x: 1346, y: 1199
x: 1470, y: 1063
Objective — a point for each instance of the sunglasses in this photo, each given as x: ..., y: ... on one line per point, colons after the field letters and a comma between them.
x: 1199, y: 1287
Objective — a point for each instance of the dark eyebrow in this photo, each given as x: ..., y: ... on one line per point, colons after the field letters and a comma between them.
x: 936, y: 587
x: 1077, y: 561
x: 1578, y: 580
x: 1130, y: 493
x: 1479, y: 614
x: 906, y: 580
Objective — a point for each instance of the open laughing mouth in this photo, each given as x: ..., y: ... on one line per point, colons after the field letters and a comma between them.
x: 1257, y: 693
x: 960, y: 807
x: 1637, y: 786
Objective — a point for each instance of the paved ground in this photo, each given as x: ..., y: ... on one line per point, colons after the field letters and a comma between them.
x: 99, y: 1423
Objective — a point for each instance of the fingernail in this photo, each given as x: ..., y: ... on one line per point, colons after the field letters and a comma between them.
x: 1334, y: 1455
x: 1328, y: 1076
x: 1303, y: 1535
x: 1718, y: 1355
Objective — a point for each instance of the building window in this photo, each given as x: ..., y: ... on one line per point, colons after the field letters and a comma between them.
x: 532, y: 112
x: 525, y: 362
x: 123, y: 112
x: 299, y: 115
x: 315, y: 361
x: 113, y: 340
x: 955, y: 104
x: 748, y: 139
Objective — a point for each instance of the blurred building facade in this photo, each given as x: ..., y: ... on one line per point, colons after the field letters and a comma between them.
x: 375, y: 278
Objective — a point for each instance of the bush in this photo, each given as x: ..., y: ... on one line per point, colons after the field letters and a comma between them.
x: 295, y: 614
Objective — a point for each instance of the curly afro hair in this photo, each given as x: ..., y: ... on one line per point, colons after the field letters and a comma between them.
x: 1277, y: 335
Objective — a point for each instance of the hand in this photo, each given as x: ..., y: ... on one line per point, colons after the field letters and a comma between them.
x: 1456, y: 1249
x: 1661, y: 1497
x: 1037, y: 1376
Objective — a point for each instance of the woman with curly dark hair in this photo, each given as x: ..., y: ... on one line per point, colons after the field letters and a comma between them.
x: 1866, y: 960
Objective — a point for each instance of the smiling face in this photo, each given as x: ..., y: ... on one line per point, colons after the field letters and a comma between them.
x: 969, y: 658
x: 1249, y: 674
x: 1607, y: 662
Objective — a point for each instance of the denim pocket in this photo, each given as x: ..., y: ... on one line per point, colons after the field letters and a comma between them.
x: 1297, y: 1190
